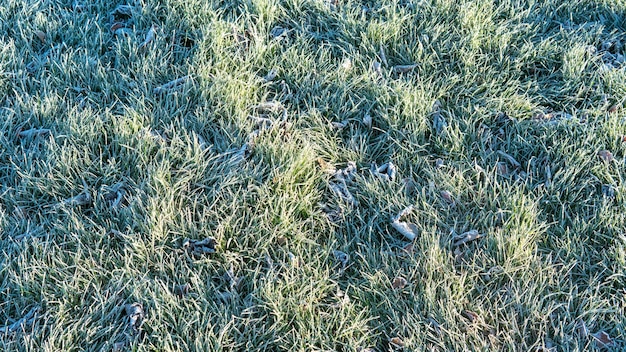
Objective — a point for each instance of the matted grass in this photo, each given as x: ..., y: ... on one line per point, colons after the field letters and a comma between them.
x: 94, y: 213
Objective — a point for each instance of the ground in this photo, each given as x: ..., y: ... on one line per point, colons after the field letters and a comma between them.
x: 178, y: 175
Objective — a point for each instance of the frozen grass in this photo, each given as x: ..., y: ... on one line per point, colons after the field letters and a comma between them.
x: 94, y: 213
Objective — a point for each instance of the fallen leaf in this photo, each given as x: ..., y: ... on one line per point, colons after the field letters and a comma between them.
x: 398, y: 283
x: 182, y: 290
x: 171, y: 85
x: 581, y: 327
x: 509, y: 159
x: 294, y: 260
x: 150, y: 36
x: 386, y: 172
x: 231, y: 278
x: 347, y: 64
x: 135, y: 315
x: 605, y: 156
x: 466, y: 237
x: 366, y: 349
x: 281, y: 240
x: 367, y: 120
x: 409, y: 230
x: 435, y: 325
x: 83, y: 198
x: 333, y: 215
x: 469, y: 315
x: 613, y: 109
x: 34, y: 132
x: 346, y: 174
x: 119, y: 346
x: 403, y: 68
x: 339, y: 125
x: 377, y: 69
x: 41, y: 35
x: 439, y: 122
x: 342, y: 257
x: 340, y: 189
x: 326, y: 167
x: 199, y: 248
x: 447, y: 196
x: 383, y: 57
x: 271, y: 75
x: 602, y: 339
x: 439, y: 163
x: 396, y: 342
x: 279, y: 33
x: 115, y: 26
x: 502, y: 168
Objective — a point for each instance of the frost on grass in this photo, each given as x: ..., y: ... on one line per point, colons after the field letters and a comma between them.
x: 407, y: 229
x: 339, y: 184
x: 171, y: 85
x: 439, y: 122
x: 466, y: 237
x: 135, y: 315
x: 21, y: 324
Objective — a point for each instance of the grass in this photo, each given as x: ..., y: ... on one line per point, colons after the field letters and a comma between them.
x: 95, y: 211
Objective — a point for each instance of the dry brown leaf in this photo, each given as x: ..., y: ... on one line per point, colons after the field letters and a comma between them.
x: 613, y: 109
x: 41, y: 35
x: 342, y: 257
x: 466, y: 237
x: 605, y: 156
x: 199, y: 248
x: 281, y: 240
x: 386, y: 172
x: 502, y: 169
x: 347, y: 64
x: 398, y: 283
x: 383, y: 57
x: 581, y: 328
x: 171, y: 85
x: 469, y: 315
x: 396, y: 342
x: 367, y: 120
x: 294, y: 260
x: 119, y: 346
x: 182, y: 290
x: 339, y: 125
x: 150, y: 36
x: 135, y: 314
x: 403, y: 68
x: 602, y: 339
x: 409, y: 230
x: 115, y: 26
x: 447, y: 196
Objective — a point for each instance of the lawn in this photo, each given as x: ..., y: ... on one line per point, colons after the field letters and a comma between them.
x: 312, y: 175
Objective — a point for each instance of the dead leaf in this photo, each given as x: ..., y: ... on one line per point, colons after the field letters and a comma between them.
x: 396, y: 342
x: 119, y: 346
x: 271, y: 75
x: 367, y: 120
x: 115, y: 26
x: 377, y: 69
x: 469, y: 315
x: 510, y: 159
x: 150, y: 36
x: 171, y: 85
x: 339, y: 125
x: 447, y: 196
x: 182, y: 290
x: 199, y: 248
x: 135, y: 315
x: 467, y: 237
x: 34, y: 132
x: 502, y: 169
x: 334, y: 215
x: 340, y: 189
x: 383, y: 57
x: 581, y: 328
x: 41, y: 35
x: 231, y: 278
x: 294, y: 260
x: 403, y: 68
x: 613, y: 109
x: 602, y: 339
x: 279, y: 33
x: 398, y: 283
x: 605, y: 156
x: 386, y: 172
x: 439, y: 163
x: 326, y: 167
x: 439, y: 122
x: 281, y: 240
x: 409, y: 230
x: 80, y: 200
x: 342, y: 257
x: 347, y: 174
x: 347, y: 64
